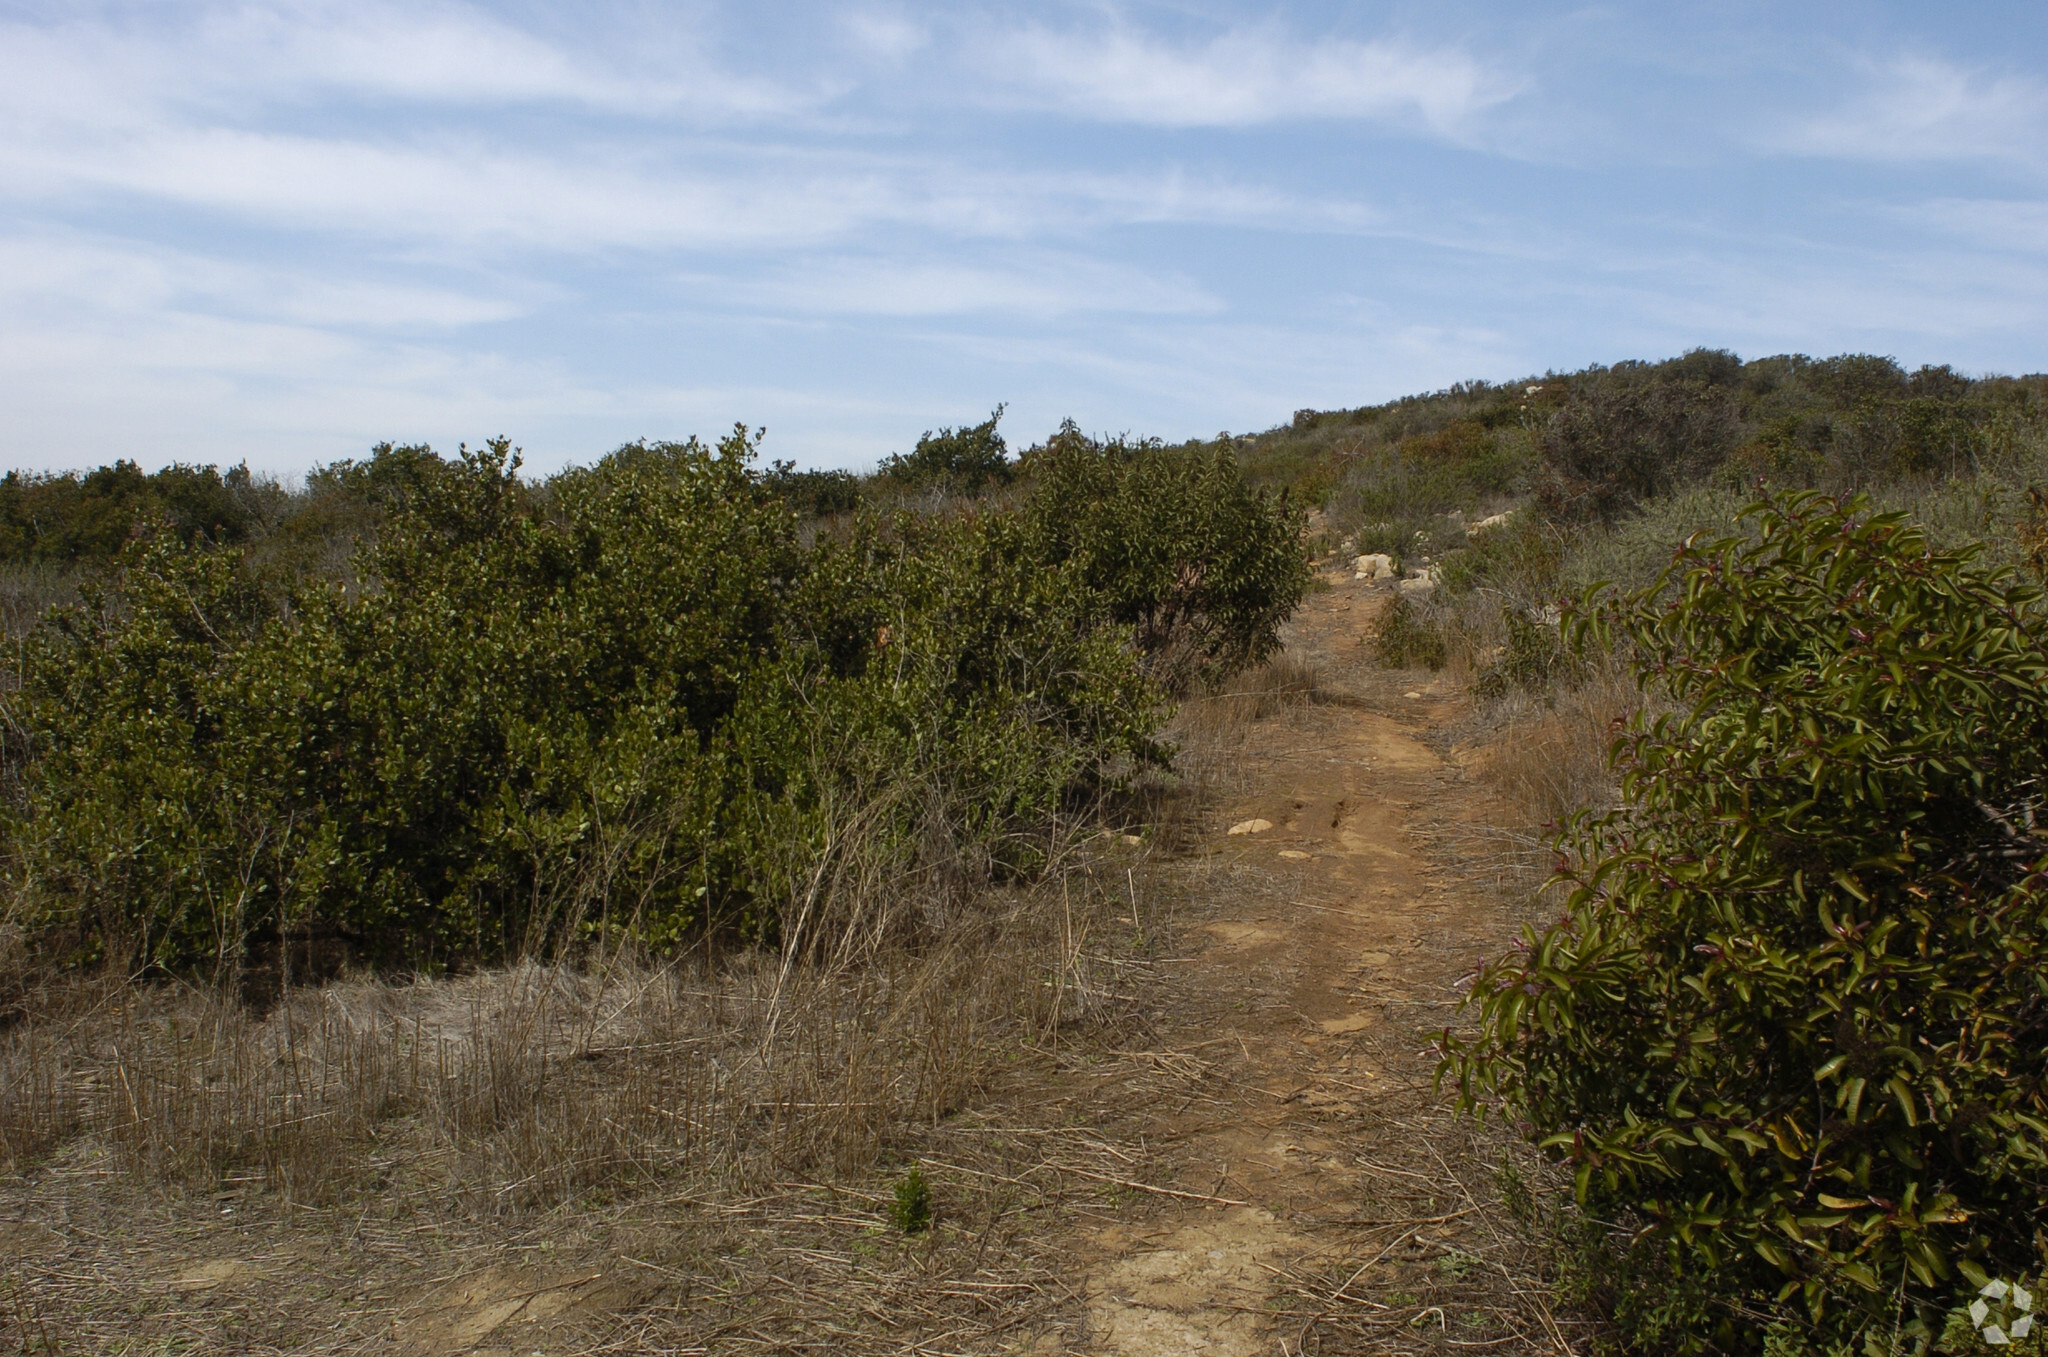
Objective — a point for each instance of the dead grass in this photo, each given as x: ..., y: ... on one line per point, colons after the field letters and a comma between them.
x: 726, y: 1123
x: 1540, y: 758
x: 519, y: 1088
x: 1211, y: 726
x: 1548, y: 755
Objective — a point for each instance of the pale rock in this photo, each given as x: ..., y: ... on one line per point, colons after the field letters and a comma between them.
x: 1251, y: 826
x: 1421, y: 582
x: 1375, y: 565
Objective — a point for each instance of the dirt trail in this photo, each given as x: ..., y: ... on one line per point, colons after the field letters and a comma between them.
x: 1332, y: 950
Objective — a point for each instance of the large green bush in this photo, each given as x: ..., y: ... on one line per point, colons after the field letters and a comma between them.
x: 1791, y: 1031
x: 1175, y: 544
x: 65, y: 518
x: 629, y: 698
x: 966, y: 460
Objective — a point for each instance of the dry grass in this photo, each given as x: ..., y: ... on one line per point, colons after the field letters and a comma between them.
x: 1211, y: 727
x: 1448, y: 1249
x: 519, y: 1088
x: 729, y: 1124
x: 1549, y: 758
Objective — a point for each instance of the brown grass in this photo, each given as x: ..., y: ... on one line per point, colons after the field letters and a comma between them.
x: 724, y: 1124
x: 1211, y: 725
x: 519, y: 1088
x: 1549, y: 759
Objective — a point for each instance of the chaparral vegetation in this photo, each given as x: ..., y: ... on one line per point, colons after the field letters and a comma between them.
x: 762, y: 810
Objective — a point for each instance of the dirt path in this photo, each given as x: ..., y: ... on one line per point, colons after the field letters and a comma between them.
x: 1346, y: 1211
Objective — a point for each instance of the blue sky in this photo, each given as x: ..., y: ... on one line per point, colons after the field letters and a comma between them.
x: 281, y: 232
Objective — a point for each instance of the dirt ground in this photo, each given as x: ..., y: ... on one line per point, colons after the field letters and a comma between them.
x: 1348, y: 1209
x: 1239, y: 1152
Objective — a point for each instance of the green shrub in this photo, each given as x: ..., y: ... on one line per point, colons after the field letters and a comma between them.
x: 1792, y: 1019
x: 626, y: 700
x: 910, y: 1210
x: 1522, y: 557
x: 87, y: 517
x: 966, y: 460
x: 1175, y: 545
x: 1424, y: 476
x: 814, y: 494
x: 1402, y: 639
x: 1532, y: 658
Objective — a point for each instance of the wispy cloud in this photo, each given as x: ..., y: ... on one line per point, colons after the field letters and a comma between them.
x: 1036, y: 284
x: 459, y: 188
x: 229, y: 63
x: 72, y: 274
x: 2002, y: 224
x: 1926, y: 108
x: 1243, y: 77
x: 99, y: 118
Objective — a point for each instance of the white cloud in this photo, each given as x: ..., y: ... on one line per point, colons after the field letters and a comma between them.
x: 2001, y: 224
x: 94, y: 118
x: 67, y: 274
x: 885, y: 34
x: 1038, y: 285
x: 1245, y: 77
x: 232, y: 62
x: 1924, y: 108
x: 457, y: 189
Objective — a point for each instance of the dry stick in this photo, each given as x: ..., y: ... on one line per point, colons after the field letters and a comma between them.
x: 1421, y: 1177
x: 1397, y: 1220
x: 1147, y: 1187
x: 1549, y: 1321
x: 1398, y: 1242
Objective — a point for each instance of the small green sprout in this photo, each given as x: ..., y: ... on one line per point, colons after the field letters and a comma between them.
x: 911, y: 1212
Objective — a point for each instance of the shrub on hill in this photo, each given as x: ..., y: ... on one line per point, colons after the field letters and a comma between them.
x: 1791, y: 1030
x: 1617, y: 444
x: 814, y: 494
x: 630, y: 699
x: 1175, y: 544
x: 68, y: 518
x: 966, y: 460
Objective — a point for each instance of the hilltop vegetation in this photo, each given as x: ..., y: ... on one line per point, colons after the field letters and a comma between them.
x: 1600, y: 473
x: 634, y: 698
x: 1785, y: 1034
x: 1784, y: 1037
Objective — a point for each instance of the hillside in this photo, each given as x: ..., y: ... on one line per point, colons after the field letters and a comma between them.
x: 1027, y: 903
